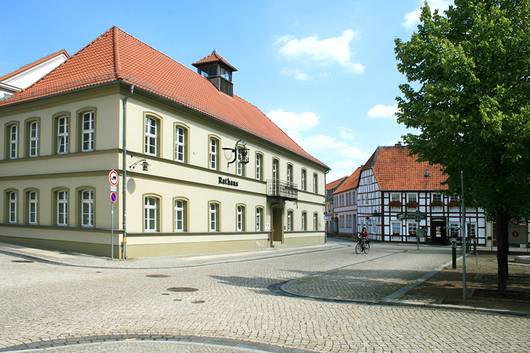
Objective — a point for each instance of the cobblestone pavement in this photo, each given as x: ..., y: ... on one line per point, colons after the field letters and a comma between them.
x: 40, y: 302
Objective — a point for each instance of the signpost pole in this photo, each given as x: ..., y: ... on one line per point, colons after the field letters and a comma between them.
x: 112, y: 231
x: 464, y: 240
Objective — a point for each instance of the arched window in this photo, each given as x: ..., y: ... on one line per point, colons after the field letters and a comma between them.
x: 259, y: 219
x: 32, y: 201
x: 151, y: 213
x: 290, y: 173
x: 62, y: 133
x: 290, y: 217
x: 213, y: 154
x: 315, y: 221
x: 240, y: 218
x: 303, y: 180
x: 181, y: 215
x: 61, y: 207
x: 33, y: 138
x: 315, y: 183
x: 151, y: 135
x: 213, y: 216
x: 12, y: 140
x: 181, y: 142
x: 12, y: 206
x: 304, y: 221
x: 86, y: 132
x: 87, y: 208
x: 259, y: 166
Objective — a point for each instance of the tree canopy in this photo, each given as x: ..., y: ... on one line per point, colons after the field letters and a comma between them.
x: 468, y: 96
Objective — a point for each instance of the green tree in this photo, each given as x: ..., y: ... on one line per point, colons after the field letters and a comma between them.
x: 468, y: 102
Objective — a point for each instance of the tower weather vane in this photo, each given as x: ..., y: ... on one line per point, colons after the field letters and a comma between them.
x: 239, y: 152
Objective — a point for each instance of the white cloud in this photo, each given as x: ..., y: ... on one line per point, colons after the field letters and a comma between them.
x: 346, y: 133
x: 326, y: 143
x: 294, y: 123
x: 332, y: 50
x: 382, y: 111
x: 411, y: 19
x: 297, y: 74
x: 343, y: 167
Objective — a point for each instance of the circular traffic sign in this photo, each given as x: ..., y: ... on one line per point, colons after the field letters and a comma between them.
x: 113, y: 197
x: 113, y: 177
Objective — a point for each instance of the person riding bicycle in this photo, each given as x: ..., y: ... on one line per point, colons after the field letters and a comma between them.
x: 364, y: 236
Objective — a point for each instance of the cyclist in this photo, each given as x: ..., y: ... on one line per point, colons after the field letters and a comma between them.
x: 364, y: 235
x: 362, y: 242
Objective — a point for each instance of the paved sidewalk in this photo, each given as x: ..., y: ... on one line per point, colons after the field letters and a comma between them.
x: 161, y: 262
x: 446, y: 287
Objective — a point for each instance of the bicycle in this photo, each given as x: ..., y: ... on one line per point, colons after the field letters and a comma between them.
x: 362, y: 246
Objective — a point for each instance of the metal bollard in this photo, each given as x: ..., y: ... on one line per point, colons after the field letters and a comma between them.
x: 454, y: 252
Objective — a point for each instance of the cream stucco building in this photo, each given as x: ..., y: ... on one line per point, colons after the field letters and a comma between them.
x: 119, y: 104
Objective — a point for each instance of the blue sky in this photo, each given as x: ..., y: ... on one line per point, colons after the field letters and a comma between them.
x: 325, y: 71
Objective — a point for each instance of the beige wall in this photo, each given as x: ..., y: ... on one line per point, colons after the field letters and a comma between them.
x: 166, y: 178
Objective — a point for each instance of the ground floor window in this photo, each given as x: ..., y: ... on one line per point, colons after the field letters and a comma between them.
x: 180, y: 215
x: 315, y: 221
x: 87, y: 208
x: 33, y: 208
x: 454, y: 229
x: 304, y: 221
x: 12, y: 203
x: 151, y: 214
x: 412, y: 229
x: 240, y: 218
x: 61, y: 208
x: 259, y: 219
x: 289, y: 221
x: 396, y: 228
x: 213, y: 217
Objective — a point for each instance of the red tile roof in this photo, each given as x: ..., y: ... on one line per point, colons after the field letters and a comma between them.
x: 213, y: 57
x: 335, y: 183
x: 395, y: 169
x: 33, y: 64
x: 351, y: 183
x: 117, y: 56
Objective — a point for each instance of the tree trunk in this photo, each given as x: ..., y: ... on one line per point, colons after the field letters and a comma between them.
x: 501, y: 235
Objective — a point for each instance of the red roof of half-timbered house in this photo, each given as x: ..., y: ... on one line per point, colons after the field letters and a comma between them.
x: 395, y: 169
x: 351, y: 183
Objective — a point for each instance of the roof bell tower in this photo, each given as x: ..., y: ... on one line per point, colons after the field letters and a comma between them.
x: 218, y: 71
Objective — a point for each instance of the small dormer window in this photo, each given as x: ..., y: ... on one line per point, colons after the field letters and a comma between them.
x: 227, y: 75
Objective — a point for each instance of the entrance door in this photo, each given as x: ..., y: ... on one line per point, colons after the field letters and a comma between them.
x: 277, y: 224
x: 438, y: 232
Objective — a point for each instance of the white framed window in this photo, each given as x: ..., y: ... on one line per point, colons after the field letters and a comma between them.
x: 396, y: 228
x: 87, y: 131
x: 395, y: 197
x: 259, y: 166
x: 33, y: 130
x: 13, y: 141
x: 12, y: 206
x: 61, y: 208
x: 437, y: 197
x: 180, y: 215
x: 275, y: 170
x: 259, y: 219
x: 214, y: 217
x: 315, y: 183
x: 151, y: 135
x: 240, y: 218
x: 33, y: 207
x: 412, y: 197
x: 315, y: 221
x: 180, y: 143
x: 150, y: 214
x: 87, y: 208
x: 62, y: 135
x: 290, y: 173
x: 303, y: 180
x: 304, y: 221
x: 289, y: 221
x: 412, y: 228
x: 214, y: 153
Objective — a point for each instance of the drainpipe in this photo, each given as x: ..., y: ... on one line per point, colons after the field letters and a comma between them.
x: 124, y: 171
